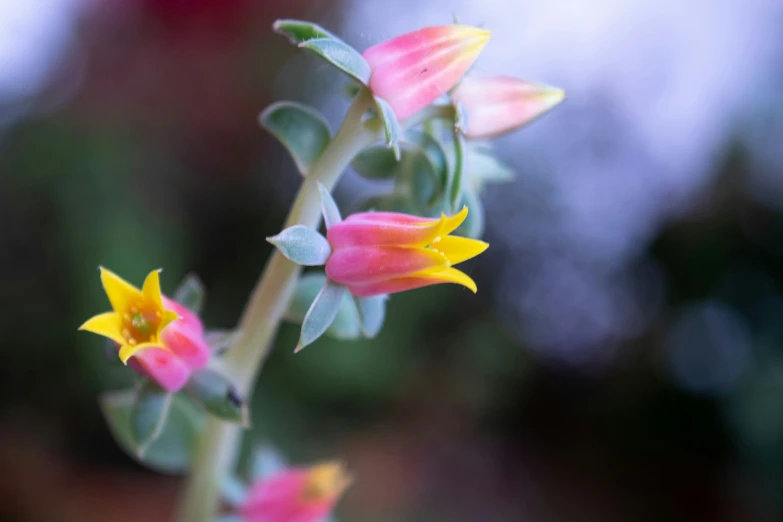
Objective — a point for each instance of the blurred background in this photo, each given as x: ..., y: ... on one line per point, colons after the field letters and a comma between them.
x: 623, y: 359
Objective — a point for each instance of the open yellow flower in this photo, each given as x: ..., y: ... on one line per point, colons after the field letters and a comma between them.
x: 139, y: 316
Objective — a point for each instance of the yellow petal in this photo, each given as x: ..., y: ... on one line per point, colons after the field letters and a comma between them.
x: 458, y: 249
x: 151, y: 288
x: 448, y: 225
x: 108, y: 325
x: 448, y: 275
x: 169, y: 316
x: 120, y: 292
x: 127, y: 351
x: 325, y: 481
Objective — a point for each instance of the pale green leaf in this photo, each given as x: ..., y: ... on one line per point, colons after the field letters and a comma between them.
x: 149, y: 414
x: 391, y: 126
x: 346, y: 324
x: 376, y: 162
x: 341, y: 55
x: 328, y: 207
x: 303, y: 131
x: 302, y: 245
x: 172, y: 449
x: 321, y: 313
x: 372, y: 311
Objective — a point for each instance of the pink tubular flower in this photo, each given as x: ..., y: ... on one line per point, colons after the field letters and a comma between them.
x: 296, y: 495
x: 385, y: 252
x: 165, y: 339
x: 499, y: 104
x: 413, y: 70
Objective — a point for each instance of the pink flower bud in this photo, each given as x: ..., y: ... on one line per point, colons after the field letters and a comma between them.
x: 499, y: 104
x: 385, y: 252
x: 296, y: 495
x: 164, y: 339
x: 413, y: 70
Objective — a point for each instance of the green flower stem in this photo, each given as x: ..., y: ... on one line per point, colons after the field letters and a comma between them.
x: 217, y: 448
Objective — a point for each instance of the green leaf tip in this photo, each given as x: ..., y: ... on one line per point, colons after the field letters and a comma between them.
x: 298, y: 31
x: 329, y: 208
x: 346, y: 324
x: 302, y: 245
x: 391, y: 125
x: 321, y: 313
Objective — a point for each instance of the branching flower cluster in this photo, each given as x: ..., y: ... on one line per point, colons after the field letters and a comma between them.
x: 416, y: 120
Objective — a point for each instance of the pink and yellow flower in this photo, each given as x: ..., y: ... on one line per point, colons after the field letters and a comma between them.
x: 296, y: 494
x: 496, y: 105
x: 165, y: 339
x: 377, y: 253
x: 413, y: 70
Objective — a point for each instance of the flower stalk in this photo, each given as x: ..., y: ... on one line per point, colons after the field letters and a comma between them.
x: 216, y: 450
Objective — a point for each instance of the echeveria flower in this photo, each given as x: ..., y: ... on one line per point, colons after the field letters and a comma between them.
x: 165, y: 339
x: 377, y: 253
x: 413, y: 70
x: 498, y: 104
x: 295, y: 494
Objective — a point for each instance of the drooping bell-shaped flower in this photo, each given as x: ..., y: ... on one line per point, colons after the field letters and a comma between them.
x: 414, y: 69
x: 165, y: 339
x: 496, y: 105
x: 377, y: 253
x: 295, y: 494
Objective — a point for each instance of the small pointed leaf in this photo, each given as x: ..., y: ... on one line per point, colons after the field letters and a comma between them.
x: 391, y: 126
x: 190, y: 293
x: 321, y: 313
x: 303, y: 131
x: 298, y: 31
x: 346, y: 324
x: 149, y: 414
x: 329, y: 207
x: 341, y: 55
x: 172, y: 450
x: 302, y: 245
x: 372, y: 311
x: 218, y: 396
